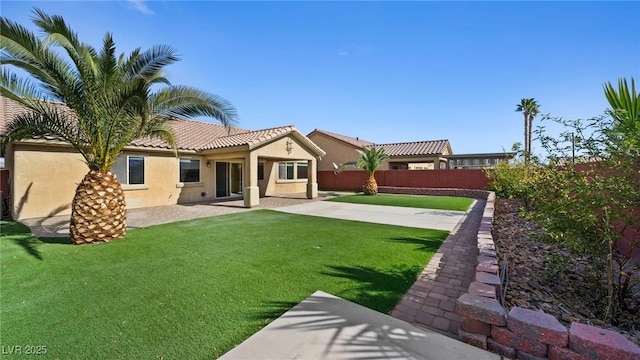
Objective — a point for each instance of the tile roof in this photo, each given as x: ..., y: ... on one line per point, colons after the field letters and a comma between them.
x: 189, y: 134
x: 357, y: 142
x: 432, y: 147
x: 415, y: 148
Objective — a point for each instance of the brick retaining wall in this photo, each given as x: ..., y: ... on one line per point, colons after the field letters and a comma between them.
x: 471, y: 193
x: 523, y: 333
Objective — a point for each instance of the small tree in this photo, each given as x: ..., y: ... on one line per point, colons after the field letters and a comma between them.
x: 590, y: 203
x: 370, y: 159
x: 515, y: 179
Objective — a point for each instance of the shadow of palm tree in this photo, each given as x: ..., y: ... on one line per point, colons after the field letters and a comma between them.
x: 429, y: 243
x: 20, y: 235
x: 347, y: 330
x: 378, y: 289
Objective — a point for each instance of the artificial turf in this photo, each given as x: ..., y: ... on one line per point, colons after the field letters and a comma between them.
x: 416, y: 201
x: 194, y: 289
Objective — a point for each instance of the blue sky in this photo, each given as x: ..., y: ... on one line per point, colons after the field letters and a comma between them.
x: 383, y: 71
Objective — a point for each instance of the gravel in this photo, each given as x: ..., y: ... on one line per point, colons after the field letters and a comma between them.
x: 544, y: 276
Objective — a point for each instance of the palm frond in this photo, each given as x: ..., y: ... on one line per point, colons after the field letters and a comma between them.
x: 147, y: 64
x: 183, y: 101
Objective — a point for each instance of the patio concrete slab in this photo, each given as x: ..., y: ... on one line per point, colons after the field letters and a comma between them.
x: 390, y: 215
x: 327, y: 327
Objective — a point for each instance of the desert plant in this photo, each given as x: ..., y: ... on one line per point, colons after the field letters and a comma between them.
x: 592, y: 201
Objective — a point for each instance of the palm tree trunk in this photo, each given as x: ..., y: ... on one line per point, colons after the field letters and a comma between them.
x: 371, y: 186
x: 526, y: 136
x: 529, y: 133
x: 98, y: 211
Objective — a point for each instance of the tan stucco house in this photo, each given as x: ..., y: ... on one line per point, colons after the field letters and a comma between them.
x: 417, y: 155
x: 214, y: 163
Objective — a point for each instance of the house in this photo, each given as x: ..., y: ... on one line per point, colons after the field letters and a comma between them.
x: 417, y: 155
x: 478, y: 161
x: 214, y: 163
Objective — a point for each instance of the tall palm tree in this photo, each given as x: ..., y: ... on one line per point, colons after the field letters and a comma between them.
x: 97, y: 102
x: 370, y: 159
x: 625, y: 111
x: 529, y: 108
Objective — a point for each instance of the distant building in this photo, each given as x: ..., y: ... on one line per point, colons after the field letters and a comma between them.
x: 477, y: 161
x: 415, y: 155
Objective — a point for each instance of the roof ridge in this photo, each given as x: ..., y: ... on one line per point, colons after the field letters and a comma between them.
x: 412, y: 142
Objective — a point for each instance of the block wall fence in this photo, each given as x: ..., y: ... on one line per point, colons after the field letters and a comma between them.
x: 522, y: 333
x: 352, y: 180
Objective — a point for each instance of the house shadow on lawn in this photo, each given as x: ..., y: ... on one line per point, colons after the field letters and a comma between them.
x: 21, y: 235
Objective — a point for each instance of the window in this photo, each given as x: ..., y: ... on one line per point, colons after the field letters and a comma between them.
x: 260, y: 171
x: 189, y: 170
x: 285, y: 171
x: 293, y: 170
x: 302, y: 170
x: 129, y: 170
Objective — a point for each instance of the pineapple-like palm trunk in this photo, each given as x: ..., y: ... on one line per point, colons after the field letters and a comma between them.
x: 371, y: 186
x: 98, y: 211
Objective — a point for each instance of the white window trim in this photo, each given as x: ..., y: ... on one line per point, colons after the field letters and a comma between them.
x: 125, y: 185
x: 295, y: 173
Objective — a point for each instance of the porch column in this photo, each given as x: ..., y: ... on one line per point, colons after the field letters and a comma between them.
x: 312, y: 182
x: 251, y: 189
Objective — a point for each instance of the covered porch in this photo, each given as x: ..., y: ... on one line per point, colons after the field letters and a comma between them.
x: 280, y: 164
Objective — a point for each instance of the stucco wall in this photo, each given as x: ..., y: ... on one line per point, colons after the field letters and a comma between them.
x: 337, y: 151
x: 45, y: 177
x: 44, y: 180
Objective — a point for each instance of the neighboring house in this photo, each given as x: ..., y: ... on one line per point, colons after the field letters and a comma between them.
x: 214, y: 163
x: 478, y: 161
x: 417, y: 155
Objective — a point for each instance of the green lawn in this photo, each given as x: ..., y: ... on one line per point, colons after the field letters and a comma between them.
x: 416, y: 201
x: 194, y: 289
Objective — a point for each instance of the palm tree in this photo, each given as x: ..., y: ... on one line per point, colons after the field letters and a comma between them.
x: 529, y: 108
x: 97, y: 102
x: 370, y: 159
x: 625, y: 111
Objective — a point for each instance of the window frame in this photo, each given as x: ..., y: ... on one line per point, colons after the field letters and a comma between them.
x: 127, y: 178
x: 180, y: 171
x: 291, y: 168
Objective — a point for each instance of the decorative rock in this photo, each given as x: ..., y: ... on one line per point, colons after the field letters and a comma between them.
x: 482, y: 289
x: 596, y: 343
x: 537, y: 325
x: 558, y: 353
x: 481, y: 308
x: 476, y: 340
x: 500, y: 349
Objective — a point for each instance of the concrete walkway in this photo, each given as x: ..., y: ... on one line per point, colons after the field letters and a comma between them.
x: 431, y: 301
x: 327, y: 327
x: 58, y: 226
x: 390, y: 215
